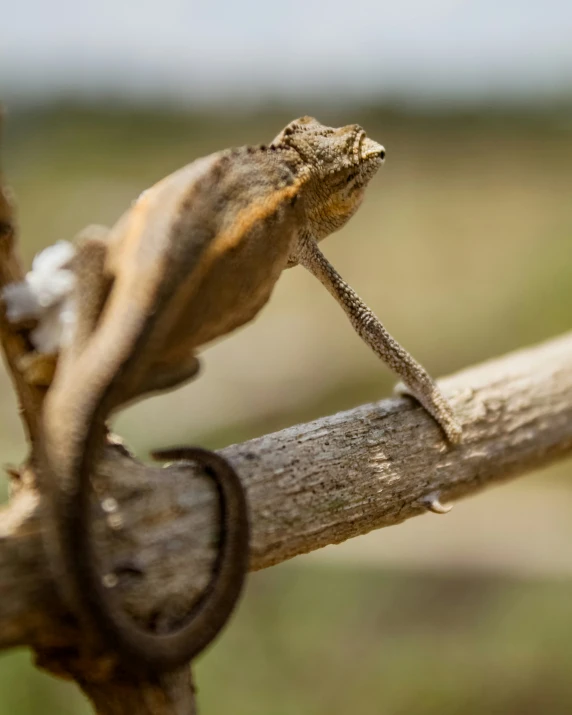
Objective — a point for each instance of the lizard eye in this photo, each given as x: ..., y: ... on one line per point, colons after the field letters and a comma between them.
x: 350, y: 178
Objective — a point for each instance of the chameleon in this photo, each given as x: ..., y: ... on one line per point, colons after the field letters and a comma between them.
x: 196, y: 256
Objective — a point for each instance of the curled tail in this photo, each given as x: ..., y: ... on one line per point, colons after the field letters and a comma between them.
x: 76, y: 407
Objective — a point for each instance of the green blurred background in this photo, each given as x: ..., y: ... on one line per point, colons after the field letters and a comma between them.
x: 463, y: 249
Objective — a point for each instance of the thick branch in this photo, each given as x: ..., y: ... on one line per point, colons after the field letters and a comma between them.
x: 308, y: 486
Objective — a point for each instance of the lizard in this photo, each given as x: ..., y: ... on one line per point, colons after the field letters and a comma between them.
x: 196, y: 256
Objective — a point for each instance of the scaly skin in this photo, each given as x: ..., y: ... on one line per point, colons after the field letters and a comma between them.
x: 194, y: 258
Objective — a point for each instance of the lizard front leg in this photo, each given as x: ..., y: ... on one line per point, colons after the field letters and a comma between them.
x: 373, y: 333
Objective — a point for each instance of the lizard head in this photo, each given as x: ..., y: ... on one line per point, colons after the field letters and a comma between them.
x: 337, y: 165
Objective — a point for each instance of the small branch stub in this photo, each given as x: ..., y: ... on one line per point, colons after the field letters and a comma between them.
x: 433, y: 503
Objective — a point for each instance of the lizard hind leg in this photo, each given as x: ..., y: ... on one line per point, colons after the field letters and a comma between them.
x: 92, y: 284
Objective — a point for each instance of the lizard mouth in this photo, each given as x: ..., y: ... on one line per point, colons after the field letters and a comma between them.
x: 360, y: 140
x: 370, y: 156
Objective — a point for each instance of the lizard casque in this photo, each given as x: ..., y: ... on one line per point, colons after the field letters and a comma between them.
x: 196, y: 256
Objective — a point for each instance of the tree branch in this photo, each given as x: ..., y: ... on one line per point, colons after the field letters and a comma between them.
x: 15, y: 345
x: 307, y: 486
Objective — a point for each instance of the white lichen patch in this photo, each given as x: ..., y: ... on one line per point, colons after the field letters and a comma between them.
x: 45, y: 295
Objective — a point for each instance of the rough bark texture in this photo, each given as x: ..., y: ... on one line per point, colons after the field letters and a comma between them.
x: 307, y: 486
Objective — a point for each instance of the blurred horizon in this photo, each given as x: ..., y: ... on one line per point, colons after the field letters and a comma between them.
x: 209, y: 54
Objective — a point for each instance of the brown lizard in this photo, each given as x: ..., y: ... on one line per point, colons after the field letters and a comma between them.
x: 195, y: 257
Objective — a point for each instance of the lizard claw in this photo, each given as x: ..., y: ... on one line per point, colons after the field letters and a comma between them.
x: 438, y: 407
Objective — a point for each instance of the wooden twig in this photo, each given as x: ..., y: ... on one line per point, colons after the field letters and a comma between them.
x: 170, y: 694
x: 15, y: 345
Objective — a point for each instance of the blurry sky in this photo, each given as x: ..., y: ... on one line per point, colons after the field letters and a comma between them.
x: 250, y: 49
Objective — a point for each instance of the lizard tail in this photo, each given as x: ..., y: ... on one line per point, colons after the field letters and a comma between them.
x: 73, y: 439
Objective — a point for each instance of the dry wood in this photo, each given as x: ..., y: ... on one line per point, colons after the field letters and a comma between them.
x: 308, y: 486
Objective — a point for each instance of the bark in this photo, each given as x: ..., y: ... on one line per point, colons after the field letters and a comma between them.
x: 307, y: 486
